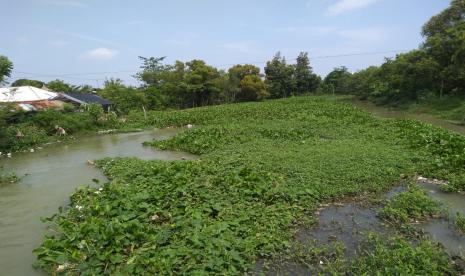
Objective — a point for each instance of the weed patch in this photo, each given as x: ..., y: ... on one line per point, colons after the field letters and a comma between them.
x: 410, y: 206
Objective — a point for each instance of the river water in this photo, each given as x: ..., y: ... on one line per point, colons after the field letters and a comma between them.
x: 49, y: 177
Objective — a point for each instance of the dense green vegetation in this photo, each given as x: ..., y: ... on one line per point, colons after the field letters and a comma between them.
x: 411, y: 206
x: 397, y: 256
x: 264, y: 168
x: 39, y: 127
x: 435, y: 70
x: 429, y: 79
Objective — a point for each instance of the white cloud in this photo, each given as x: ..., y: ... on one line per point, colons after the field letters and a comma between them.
x: 342, y: 6
x: 100, y: 54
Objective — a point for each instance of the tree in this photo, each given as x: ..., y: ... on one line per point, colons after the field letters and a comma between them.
x: 305, y: 80
x: 125, y: 98
x: 6, y: 66
x: 82, y: 89
x: 410, y: 75
x: 252, y: 88
x: 367, y: 83
x: 246, y: 84
x: 279, y: 77
x: 199, y: 82
x: 59, y: 86
x: 338, y: 81
x: 153, y: 71
x: 26, y: 82
x: 445, y: 43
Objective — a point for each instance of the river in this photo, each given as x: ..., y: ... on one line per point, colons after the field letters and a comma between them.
x: 49, y: 177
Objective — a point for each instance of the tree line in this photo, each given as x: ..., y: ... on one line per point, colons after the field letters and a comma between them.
x: 435, y: 70
x: 195, y: 83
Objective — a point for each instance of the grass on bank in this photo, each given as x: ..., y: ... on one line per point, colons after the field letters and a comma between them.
x: 411, y: 206
x: 264, y: 168
x: 7, y: 178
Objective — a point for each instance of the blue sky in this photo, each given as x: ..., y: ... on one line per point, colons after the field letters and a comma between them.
x: 80, y: 40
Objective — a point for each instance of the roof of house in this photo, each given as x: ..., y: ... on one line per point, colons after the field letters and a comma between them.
x: 86, y: 98
x: 25, y: 94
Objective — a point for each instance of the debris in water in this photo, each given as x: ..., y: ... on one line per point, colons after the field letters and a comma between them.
x: 90, y: 162
x: 423, y: 180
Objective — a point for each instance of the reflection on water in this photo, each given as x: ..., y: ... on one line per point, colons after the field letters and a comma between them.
x: 50, y: 176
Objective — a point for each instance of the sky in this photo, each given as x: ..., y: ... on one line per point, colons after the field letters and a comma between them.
x: 88, y: 41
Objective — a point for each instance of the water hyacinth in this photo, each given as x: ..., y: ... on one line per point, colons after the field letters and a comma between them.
x: 254, y: 184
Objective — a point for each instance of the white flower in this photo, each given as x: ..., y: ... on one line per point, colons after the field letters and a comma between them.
x: 79, y: 207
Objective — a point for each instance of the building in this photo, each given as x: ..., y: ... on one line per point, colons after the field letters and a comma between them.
x: 85, y: 98
x: 29, y: 98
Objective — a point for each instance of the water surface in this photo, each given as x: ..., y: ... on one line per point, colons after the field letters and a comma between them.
x: 49, y: 177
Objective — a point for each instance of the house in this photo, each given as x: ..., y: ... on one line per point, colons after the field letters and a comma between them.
x: 23, y: 94
x: 85, y: 98
x: 29, y: 98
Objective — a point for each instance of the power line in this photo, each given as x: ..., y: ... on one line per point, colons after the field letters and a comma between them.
x: 73, y: 75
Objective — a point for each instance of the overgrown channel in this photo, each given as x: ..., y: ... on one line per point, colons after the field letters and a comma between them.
x: 266, y: 169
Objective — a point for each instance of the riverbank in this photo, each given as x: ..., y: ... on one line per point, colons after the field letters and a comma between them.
x: 265, y: 170
x: 446, y: 113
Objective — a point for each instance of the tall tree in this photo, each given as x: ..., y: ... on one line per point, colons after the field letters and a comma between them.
x: 125, y: 98
x: 337, y: 81
x: 153, y: 70
x: 199, y: 81
x: 279, y: 77
x: 252, y: 88
x: 305, y: 80
x: 246, y: 83
x: 6, y: 66
x: 445, y: 42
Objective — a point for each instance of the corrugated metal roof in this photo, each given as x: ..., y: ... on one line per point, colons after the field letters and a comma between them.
x: 25, y: 94
x: 89, y: 98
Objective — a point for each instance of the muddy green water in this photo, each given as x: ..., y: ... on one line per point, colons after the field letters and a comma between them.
x: 50, y: 177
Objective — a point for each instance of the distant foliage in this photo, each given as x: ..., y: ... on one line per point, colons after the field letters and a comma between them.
x: 434, y: 70
x: 26, y: 82
x: 279, y: 77
x: 6, y: 66
x: 59, y: 86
